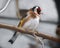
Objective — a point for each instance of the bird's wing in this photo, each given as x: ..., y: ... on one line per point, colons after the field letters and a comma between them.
x: 23, y: 21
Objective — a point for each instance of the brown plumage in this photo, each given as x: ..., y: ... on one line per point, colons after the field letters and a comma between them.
x: 32, y: 14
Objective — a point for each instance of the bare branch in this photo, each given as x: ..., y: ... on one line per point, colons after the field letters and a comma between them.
x: 29, y: 32
x: 17, y: 9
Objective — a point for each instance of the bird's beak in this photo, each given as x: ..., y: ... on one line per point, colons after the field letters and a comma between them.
x: 41, y: 13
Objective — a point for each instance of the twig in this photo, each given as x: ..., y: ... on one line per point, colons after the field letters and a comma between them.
x: 29, y: 32
x: 17, y: 9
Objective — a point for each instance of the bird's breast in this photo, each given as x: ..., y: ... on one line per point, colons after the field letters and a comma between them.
x: 31, y: 23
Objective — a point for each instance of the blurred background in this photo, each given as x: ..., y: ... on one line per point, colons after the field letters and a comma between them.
x: 12, y: 10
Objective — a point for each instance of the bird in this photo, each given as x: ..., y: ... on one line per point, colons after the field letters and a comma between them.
x: 30, y: 22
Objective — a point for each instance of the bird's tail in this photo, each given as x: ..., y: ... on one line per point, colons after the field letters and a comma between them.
x: 15, y: 35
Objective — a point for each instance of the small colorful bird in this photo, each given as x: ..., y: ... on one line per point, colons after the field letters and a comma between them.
x: 30, y: 22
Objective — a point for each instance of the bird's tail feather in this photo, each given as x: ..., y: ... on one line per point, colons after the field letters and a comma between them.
x: 15, y: 35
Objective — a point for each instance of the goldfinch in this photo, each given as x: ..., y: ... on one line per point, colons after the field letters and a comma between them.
x: 30, y: 22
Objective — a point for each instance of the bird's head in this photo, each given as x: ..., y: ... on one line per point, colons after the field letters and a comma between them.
x: 36, y: 9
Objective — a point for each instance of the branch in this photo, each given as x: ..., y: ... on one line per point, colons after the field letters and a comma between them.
x: 17, y: 9
x: 29, y: 32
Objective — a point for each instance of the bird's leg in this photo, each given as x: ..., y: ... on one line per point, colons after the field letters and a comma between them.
x: 38, y: 39
x: 34, y: 34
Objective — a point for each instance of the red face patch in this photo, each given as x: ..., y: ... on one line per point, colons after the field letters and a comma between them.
x: 38, y: 10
